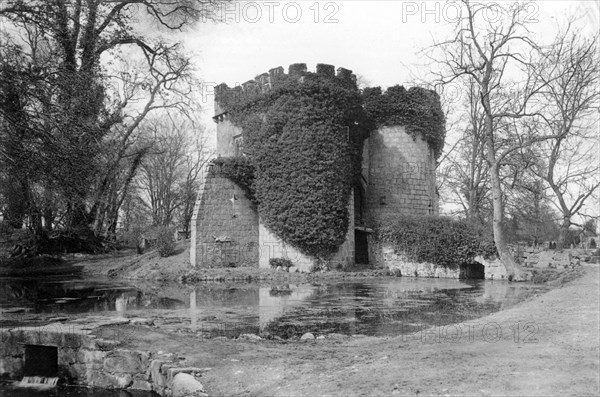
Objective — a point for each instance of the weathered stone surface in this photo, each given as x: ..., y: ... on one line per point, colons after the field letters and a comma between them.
x: 66, y: 356
x: 171, y: 372
x: 107, y: 344
x: 73, y: 339
x: 494, y: 268
x: 141, y: 385
x: 249, y: 337
x: 11, y: 367
x: 398, y: 262
x: 185, y: 385
x: 156, y: 374
x: 216, y: 216
x: 110, y: 381
x: 307, y: 336
x: 91, y: 356
x: 10, y: 345
x: 123, y: 361
x: 141, y: 321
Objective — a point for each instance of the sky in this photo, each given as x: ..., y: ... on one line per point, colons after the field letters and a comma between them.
x: 380, y: 41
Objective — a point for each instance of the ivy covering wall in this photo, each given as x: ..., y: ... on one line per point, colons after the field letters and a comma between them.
x: 239, y: 170
x: 418, y: 109
x: 304, y: 138
x: 439, y: 240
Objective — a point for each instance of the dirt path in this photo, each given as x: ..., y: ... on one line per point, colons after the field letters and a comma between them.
x: 547, y: 346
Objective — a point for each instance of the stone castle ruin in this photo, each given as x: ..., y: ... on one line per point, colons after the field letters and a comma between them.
x: 397, y: 176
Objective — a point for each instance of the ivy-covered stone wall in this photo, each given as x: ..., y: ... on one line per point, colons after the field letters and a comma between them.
x: 310, y: 139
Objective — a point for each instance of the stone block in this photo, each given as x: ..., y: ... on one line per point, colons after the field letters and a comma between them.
x: 79, y: 373
x: 106, y: 344
x: 11, y: 367
x: 110, y: 381
x: 156, y: 374
x: 185, y: 385
x: 124, y: 361
x: 10, y: 345
x: 91, y: 356
x: 73, y: 339
x: 141, y: 385
x: 66, y: 356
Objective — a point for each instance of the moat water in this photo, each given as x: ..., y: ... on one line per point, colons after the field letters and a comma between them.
x: 379, y: 307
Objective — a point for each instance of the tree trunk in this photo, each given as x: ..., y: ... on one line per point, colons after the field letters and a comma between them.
x: 513, y: 269
x: 563, y: 232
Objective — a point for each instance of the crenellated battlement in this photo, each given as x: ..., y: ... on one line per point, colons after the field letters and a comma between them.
x: 266, y: 81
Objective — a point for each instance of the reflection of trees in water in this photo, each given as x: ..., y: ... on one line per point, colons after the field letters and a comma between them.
x: 78, y: 297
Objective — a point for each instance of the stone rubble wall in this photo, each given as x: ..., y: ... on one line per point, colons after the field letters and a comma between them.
x: 94, y: 362
x: 540, y: 258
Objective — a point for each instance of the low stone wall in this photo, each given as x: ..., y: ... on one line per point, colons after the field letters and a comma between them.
x: 399, y: 262
x: 494, y: 268
x: 545, y: 258
x: 86, y: 360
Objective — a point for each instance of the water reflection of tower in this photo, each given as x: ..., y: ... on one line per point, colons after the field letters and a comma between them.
x: 121, y: 304
x: 124, y: 300
x: 274, y: 302
x: 193, y: 311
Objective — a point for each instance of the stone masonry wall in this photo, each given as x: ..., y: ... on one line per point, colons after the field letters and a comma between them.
x: 226, y: 131
x: 397, y: 261
x: 226, y: 231
x: 401, y: 175
x: 84, y: 359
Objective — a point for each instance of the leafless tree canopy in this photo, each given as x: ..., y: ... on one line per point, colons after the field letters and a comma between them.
x: 522, y: 96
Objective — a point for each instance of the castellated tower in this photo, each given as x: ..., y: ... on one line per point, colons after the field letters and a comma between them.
x: 398, y: 177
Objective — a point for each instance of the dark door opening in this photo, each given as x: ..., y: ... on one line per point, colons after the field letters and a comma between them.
x: 41, y: 361
x: 474, y: 270
x: 361, y: 247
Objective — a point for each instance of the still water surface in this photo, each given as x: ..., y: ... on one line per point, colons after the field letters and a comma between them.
x: 388, y: 306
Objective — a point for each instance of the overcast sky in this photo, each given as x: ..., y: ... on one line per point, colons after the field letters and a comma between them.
x: 378, y: 40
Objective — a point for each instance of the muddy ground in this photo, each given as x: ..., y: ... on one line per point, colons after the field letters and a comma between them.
x: 546, y: 346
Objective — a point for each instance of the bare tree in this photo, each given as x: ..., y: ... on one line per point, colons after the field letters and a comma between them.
x: 169, y: 173
x: 569, y: 162
x: 487, y: 51
x: 463, y: 168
